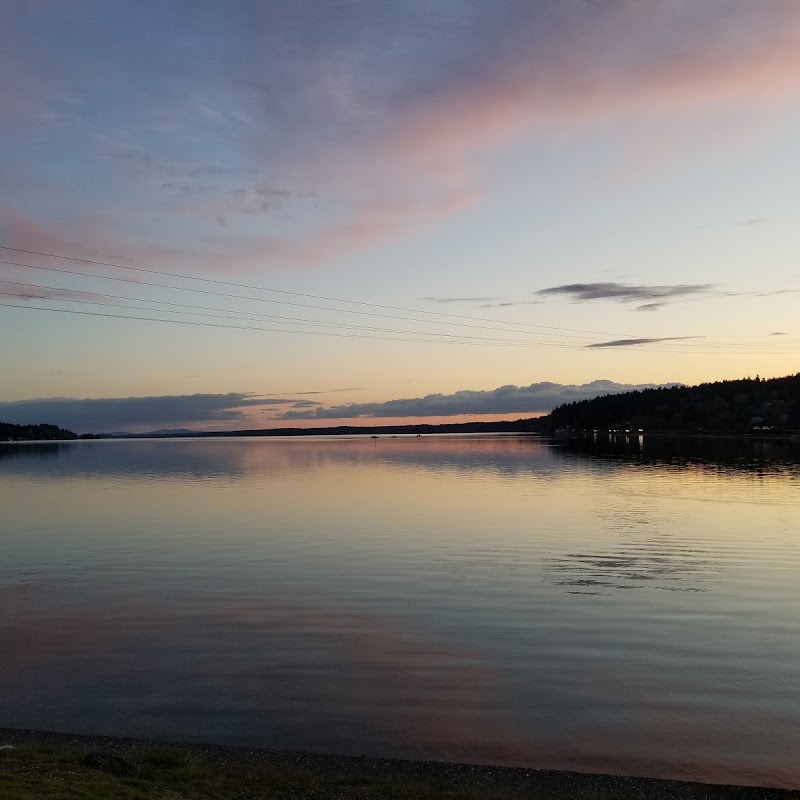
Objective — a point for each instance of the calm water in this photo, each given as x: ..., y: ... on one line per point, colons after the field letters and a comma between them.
x: 486, y: 599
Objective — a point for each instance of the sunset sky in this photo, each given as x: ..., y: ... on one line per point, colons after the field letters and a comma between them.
x: 313, y: 213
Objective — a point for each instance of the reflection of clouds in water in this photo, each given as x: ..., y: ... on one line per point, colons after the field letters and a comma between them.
x: 43, y: 624
x: 635, y: 557
x: 250, y: 670
x: 405, y: 691
x: 348, y: 674
x: 508, y: 456
x: 650, y: 564
x: 258, y: 672
x: 134, y: 459
x: 503, y: 456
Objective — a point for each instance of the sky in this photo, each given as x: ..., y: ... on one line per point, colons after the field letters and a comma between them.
x: 259, y: 214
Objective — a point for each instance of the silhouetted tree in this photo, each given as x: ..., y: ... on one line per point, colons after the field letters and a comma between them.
x: 31, y: 433
x: 723, y: 407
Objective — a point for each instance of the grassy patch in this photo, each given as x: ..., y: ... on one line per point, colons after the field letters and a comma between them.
x: 35, y: 773
x: 165, y: 756
x: 127, y: 770
x: 167, y: 772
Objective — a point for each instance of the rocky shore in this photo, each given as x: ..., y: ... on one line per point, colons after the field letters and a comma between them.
x: 31, y: 759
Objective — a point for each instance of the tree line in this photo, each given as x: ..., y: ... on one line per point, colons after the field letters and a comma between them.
x: 32, y: 433
x: 738, y: 406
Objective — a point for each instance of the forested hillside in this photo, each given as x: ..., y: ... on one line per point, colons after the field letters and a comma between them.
x: 739, y: 406
x: 30, y: 433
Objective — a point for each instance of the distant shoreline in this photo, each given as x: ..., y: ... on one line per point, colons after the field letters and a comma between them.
x: 419, y: 430
x: 512, y: 782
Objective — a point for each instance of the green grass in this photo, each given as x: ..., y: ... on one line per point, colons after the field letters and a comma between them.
x: 168, y: 772
x: 138, y: 771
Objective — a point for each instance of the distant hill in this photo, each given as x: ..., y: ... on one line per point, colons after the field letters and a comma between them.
x: 740, y: 406
x: 32, y: 433
x: 161, y: 433
x: 516, y: 426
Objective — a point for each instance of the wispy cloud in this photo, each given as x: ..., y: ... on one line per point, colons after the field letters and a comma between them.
x: 626, y: 292
x: 533, y: 399
x: 773, y: 293
x: 508, y: 303
x: 460, y: 299
x: 484, y: 302
x: 19, y: 229
x: 86, y: 236
x: 23, y: 293
x: 635, y: 342
x: 331, y: 391
x: 383, y: 119
x: 361, y: 227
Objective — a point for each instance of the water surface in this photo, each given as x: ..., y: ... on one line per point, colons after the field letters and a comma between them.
x: 623, y: 608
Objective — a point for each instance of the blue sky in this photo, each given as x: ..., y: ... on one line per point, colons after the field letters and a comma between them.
x: 486, y: 195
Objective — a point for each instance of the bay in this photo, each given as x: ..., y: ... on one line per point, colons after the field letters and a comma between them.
x: 627, y: 606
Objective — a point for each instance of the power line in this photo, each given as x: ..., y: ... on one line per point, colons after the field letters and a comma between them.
x: 299, y: 294
x: 562, y: 337
x: 270, y: 300
x: 226, y: 314
x: 460, y: 342
x: 567, y: 334
x: 264, y: 330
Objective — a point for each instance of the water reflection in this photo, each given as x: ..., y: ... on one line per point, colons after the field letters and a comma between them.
x: 410, y: 597
x: 659, y: 562
x: 15, y: 451
x: 367, y: 678
x: 507, y: 455
x: 642, y: 549
x: 253, y: 669
x: 719, y: 455
x: 501, y: 455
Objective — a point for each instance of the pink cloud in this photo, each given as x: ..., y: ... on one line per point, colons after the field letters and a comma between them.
x: 321, y: 125
x: 670, y: 103
x: 28, y: 233
x: 364, y: 227
x: 578, y: 93
x: 80, y: 236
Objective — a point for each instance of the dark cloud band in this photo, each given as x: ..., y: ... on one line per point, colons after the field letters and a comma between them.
x: 625, y: 292
x: 98, y: 415
x: 103, y: 415
x: 533, y: 399
x: 634, y: 342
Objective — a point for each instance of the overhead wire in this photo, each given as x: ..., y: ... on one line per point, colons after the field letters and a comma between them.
x: 564, y: 336
x: 300, y: 294
x: 490, y: 343
x: 205, y: 311
x: 268, y: 330
x: 264, y: 299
